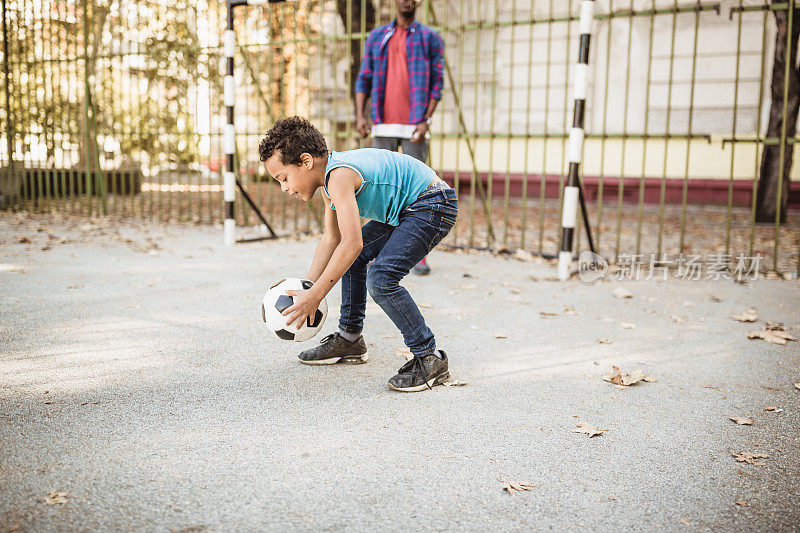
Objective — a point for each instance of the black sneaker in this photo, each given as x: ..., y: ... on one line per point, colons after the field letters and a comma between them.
x: 336, y: 349
x: 420, y: 373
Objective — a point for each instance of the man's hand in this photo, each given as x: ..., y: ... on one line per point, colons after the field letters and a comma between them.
x: 305, y: 305
x: 362, y: 127
x: 419, y: 134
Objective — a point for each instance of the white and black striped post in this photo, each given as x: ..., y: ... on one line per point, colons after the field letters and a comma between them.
x: 572, y: 189
x: 229, y: 137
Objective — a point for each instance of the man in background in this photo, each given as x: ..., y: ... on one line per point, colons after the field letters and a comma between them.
x: 402, y: 72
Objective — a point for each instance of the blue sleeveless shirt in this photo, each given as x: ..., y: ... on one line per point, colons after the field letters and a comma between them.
x: 390, y: 181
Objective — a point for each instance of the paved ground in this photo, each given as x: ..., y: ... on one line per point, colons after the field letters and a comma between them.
x: 137, y: 377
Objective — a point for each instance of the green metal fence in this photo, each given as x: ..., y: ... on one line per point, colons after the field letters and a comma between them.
x: 115, y: 107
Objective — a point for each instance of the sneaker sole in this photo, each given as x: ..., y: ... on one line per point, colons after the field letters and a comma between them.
x: 417, y: 388
x: 353, y: 360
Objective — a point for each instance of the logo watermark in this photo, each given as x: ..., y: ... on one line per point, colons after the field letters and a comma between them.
x: 739, y: 267
x: 591, y: 266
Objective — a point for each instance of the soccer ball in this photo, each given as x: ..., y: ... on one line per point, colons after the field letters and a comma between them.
x: 276, y: 301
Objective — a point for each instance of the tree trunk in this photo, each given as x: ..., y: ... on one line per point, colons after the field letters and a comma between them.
x: 767, y: 197
x: 89, y: 149
x: 355, y: 27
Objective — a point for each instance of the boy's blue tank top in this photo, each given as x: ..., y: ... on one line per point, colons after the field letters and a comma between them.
x: 390, y: 181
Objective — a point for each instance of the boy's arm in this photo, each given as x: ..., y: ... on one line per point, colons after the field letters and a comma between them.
x: 327, y: 244
x: 342, y: 186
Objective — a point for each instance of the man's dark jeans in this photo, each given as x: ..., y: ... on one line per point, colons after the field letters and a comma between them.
x: 396, y: 249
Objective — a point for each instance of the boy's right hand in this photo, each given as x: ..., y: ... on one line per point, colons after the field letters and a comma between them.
x: 362, y: 127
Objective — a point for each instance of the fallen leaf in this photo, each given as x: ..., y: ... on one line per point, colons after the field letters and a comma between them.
x: 515, y: 486
x: 500, y: 336
x: 454, y: 383
x: 750, y: 315
x: 74, y: 286
x: 742, y: 503
x: 624, y: 380
x: 425, y: 306
x: 797, y: 385
x: 773, y: 409
x: 569, y: 311
x: 627, y: 325
x: 715, y: 388
x: 545, y: 314
x: 742, y: 420
x: 133, y: 306
x: 715, y: 298
x: 588, y: 429
x: 523, y: 255
x: 404, y: 352
x: 750, y: 458
x: 774, y: 336
x: 23, y: 240
x: 677, y: 319
x: 685, y: 522
x: 604, y: 341
x: 621, y: 292
x: 56, y: 498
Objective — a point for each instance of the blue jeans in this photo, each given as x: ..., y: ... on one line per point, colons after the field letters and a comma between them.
x: 396, y: 249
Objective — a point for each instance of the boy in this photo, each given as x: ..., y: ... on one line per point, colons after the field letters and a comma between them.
x: 410, y: 211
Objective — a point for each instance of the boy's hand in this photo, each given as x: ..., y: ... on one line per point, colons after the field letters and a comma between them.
x: 305, y: 305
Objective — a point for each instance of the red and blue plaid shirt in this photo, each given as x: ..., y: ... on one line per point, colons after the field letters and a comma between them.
x: 425, y: 55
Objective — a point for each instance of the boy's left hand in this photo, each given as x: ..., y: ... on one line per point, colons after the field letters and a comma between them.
x: 305, y: 305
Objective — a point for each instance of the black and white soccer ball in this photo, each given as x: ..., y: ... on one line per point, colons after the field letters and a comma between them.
x: 276, y: 301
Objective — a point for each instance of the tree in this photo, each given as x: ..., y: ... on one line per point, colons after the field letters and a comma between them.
x: 355, y: 27
x: 770, y: 174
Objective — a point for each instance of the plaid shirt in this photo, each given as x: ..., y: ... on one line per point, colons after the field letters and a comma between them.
x: 425, y: 55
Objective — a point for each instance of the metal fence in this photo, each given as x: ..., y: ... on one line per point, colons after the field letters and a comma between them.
x: 115, y: 107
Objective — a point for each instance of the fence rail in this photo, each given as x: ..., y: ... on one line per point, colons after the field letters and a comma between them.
x: 115, y: 107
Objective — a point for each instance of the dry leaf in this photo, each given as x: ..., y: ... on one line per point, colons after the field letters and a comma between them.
x: 715, y: 298
x: 454, y: 383
x: 775, y: 336
x: 751, y: 315
x: 587, y: 428
x: 425, y: 306
x: 742, y: 503
x: 750, y: 458
x: 404, y: 352
x: 568, y: 311
x: 773, y: 409
x: 545, y: 314
x: 515, y: 486
x: 677, y: 319
x: 500, y: 336
x: 604, y: 341
x: 627, y: 325
x: 621, y: 292
x: 742, y: 420
x: 797, y: 385
x: 23, y: 240
x: 624, y: 380
x: 56, y: 498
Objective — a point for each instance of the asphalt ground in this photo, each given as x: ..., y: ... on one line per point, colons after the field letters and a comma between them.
x: 139, y: 386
